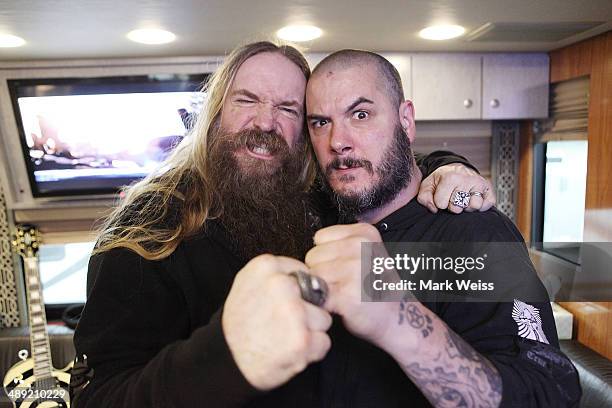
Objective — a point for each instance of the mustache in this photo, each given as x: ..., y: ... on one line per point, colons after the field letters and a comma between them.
x: 349, y: 163
x: 251, y: 138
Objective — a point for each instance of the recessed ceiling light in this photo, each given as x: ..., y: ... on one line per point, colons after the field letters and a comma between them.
x: 299, y: 33
x: 10, y: 41
x: 441, y: 32
x: 151, y: 36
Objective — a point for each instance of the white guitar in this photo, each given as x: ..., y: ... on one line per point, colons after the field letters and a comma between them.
x: 33, y: 382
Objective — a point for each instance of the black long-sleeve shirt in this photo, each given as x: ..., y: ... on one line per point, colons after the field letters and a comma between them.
x: 151, y: 331
x: 533, y: 373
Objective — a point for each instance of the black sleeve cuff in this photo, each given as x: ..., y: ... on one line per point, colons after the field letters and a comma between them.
x: 541, y: 375
x: 429, y: 163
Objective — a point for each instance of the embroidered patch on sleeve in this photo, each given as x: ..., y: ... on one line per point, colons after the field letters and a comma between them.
x: 529, y: 322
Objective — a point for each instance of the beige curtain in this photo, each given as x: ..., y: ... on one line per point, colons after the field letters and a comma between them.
x: 569, y: 110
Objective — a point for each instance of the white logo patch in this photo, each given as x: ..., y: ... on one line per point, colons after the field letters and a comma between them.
x: 529, y: 322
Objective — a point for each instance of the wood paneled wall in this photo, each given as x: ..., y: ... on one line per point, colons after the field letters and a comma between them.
x: 525, y: 180
x: 593, y: 57
x: 592, y: 324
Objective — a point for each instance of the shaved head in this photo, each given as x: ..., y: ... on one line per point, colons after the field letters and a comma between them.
x: 388, y: 75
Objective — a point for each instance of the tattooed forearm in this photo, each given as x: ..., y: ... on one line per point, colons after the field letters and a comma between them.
x: 457, y: 375
x: 410, y: 314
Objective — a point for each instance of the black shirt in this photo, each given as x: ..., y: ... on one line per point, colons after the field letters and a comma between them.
x: 151, y: 331
x: 534, y: 374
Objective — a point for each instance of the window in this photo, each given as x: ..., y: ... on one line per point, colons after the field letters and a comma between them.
x: 559, y: 197
x: 565, y: 190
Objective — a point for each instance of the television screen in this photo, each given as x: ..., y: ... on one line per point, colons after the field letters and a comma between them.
x: 94, y: 135
x: 63, y: 272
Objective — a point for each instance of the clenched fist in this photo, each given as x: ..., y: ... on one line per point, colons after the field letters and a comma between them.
x: 336, y: 257
x: 437, y: 190
x: 272, y: 333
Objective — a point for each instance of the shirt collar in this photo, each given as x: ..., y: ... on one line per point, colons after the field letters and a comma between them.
x: 403, y: 218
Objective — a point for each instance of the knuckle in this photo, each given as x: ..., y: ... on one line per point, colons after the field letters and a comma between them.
x: 300, y: 364
x: 441, y: 201
x: 328, y: 321
x: 369, y: 233
x: 318, y: 235
x: 264, y: 260
x: 326, y: 342
x: 310, y: 257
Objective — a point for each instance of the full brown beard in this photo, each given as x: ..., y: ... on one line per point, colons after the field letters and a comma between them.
x: 263, y: 209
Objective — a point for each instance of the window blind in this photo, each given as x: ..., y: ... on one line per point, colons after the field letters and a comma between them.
x: 569, y: 111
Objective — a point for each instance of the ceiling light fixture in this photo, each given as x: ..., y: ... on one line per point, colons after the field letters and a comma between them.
x: 441, y: 32
x: 299, y: 33
x: 11, y: 41
x: 151, y: 36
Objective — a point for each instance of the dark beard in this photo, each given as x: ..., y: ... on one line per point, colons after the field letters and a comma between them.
x: 263, y: 209
x: 394, y: 172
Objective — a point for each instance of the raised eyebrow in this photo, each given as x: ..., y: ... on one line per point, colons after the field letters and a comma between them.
x: 358, y: 102
x: 317, y: 117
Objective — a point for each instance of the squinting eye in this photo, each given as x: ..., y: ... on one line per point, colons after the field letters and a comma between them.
x: 290, y: 111
x: 244, y: 101
x: 361, y: 115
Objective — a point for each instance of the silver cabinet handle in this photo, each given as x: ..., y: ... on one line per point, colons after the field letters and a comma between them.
x: 494, y: 103
x: 467, y: 103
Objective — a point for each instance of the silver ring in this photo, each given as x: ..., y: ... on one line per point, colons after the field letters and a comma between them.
x: 477, y: 194
x: 313, y: 289
x: 461, y: 199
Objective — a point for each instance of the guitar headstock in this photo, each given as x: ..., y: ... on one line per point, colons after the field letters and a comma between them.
x: 26, y: 240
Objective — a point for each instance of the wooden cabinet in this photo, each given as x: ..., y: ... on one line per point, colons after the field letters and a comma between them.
x: 446, y: 86
x: 514, y: 86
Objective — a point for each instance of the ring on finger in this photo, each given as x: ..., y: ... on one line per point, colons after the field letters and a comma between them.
x: 461, y: 199
x: 312, y: 288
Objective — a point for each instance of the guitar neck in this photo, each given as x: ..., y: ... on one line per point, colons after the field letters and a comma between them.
x: 39, y: 337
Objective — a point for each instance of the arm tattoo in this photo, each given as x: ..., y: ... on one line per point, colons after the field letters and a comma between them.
x: 410, y: 314
x: 458, y: 376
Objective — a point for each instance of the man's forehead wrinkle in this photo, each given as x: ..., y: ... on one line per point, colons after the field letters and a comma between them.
x: 271, y: 75
x: 269, y: 94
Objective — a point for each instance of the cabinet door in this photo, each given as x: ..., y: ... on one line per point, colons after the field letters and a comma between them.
x: 446, y: 86
x: 401, y: 62
x: 515, y: 86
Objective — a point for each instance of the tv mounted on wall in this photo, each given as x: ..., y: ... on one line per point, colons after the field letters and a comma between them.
x: 91, y: 136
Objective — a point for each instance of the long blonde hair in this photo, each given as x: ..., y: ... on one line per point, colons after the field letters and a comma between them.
x: 173, y: 203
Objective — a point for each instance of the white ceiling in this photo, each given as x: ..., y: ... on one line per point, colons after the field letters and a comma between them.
x: 57, y: 29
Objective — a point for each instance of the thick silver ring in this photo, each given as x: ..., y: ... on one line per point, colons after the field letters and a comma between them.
x: 461, y: 199
x: 313, y: 289
x: 477, y: 194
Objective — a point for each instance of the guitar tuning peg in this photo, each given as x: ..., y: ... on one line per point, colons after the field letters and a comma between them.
x: 23, y: 354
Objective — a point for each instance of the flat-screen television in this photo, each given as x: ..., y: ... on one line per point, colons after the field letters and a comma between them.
x: 92, y: 136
